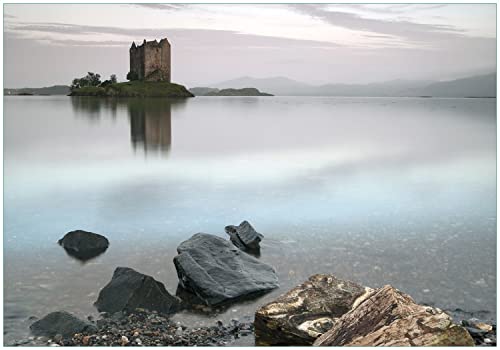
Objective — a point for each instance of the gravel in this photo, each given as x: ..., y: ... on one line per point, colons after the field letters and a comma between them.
x: 144, y: 328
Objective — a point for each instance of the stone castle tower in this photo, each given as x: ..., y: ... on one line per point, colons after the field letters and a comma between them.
x: 150, y: 61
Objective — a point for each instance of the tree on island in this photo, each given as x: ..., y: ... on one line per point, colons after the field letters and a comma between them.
x: 112, y: 80
x: 131, y: 76
x: 92, y: 79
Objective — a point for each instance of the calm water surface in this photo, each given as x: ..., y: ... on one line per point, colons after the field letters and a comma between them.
x: 376, y: 190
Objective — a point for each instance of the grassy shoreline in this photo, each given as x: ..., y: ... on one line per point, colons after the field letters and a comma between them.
x: 135, y: 89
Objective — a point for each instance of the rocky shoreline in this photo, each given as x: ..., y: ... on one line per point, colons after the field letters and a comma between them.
x: 145, y: 328
x: 136, y: 310
x: 149, y: 328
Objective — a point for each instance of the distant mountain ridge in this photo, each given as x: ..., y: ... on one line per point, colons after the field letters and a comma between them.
x: 475, y: 86
x: 49, y: 90
x: 201, y: 91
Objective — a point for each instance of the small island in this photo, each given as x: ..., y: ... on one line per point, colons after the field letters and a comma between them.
x: 203, y: 91
x: 149, y: 76
x: 134, y: 89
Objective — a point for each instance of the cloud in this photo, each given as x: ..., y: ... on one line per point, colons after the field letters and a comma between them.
x: 95, y: 43
x: 393, y: 8
x: 415, y: 32
x: 169, y: 7
x: 190, y: 38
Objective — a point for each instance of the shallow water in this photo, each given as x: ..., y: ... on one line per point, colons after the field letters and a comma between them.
x: 397, y: 191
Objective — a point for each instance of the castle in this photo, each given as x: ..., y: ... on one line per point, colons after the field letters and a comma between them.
x: 150, y: 61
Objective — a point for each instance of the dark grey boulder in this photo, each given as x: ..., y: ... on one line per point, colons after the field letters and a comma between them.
x: 63, y: 323
x: 129, y: 290
x: 217, y: 272
x: 83, y: 245
x: 244, y: 236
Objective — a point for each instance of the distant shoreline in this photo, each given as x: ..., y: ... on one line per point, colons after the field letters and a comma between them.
x: 266, y: 95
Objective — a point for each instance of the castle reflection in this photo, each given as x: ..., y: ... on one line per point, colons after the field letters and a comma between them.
x: 150, y: 126
x: 150, y: 119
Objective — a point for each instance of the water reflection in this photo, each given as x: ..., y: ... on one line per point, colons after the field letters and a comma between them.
x: 92, y: 107
x: 150, y: 119
x: 85, y: 255
x: 150, y: 125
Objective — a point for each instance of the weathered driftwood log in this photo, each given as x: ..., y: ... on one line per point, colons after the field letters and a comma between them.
x: 389, y: 317
x: 307, y: 311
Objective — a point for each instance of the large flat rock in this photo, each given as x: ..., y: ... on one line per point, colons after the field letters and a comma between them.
x: 217, y: 272
x: 307, y: 311
x: 388, y: 317
x: 129, y: 290
x: 63, y: 323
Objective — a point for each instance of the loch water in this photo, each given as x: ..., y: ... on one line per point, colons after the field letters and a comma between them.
x: 397, y: 191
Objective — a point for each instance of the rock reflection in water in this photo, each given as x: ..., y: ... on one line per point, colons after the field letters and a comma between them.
x: 150, y: 118
x: 85, y: 255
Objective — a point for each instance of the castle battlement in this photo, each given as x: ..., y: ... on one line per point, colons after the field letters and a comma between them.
x: 151, y: 60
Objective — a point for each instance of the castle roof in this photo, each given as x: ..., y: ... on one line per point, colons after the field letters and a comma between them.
x: 153, y: 43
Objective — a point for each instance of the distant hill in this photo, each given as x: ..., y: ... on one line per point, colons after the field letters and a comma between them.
x: 49, y: 90
x: 477, y: 86
x: 200, y: 91
x: 276, y: 85
x: 228, y: 92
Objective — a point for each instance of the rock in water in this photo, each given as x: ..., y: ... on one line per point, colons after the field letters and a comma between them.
x: 388, y: 317
x: 129, y: 290
x: 216, y: 272
x: 244, y: 236
x: 307, y: 311
x: 61, y: 322
x: 84, y: 245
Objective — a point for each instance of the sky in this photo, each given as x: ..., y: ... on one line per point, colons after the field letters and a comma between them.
x: 47, y: 44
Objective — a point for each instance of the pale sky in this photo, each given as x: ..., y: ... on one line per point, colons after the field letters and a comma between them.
x: 47, y: 44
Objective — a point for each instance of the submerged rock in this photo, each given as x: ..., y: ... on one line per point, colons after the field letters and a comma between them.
x: 388, y: 317
x: 63, y: 323
x: 129, y: 290
x: 83, y: 245
x: 244, y: 236
x: 217, y: 272
x: 307, y: 311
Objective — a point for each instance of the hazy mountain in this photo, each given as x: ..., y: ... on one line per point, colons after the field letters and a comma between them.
x: 388, y: 88
x: 49, y: 90
x: 477, y: 86
x: 276, y: 85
